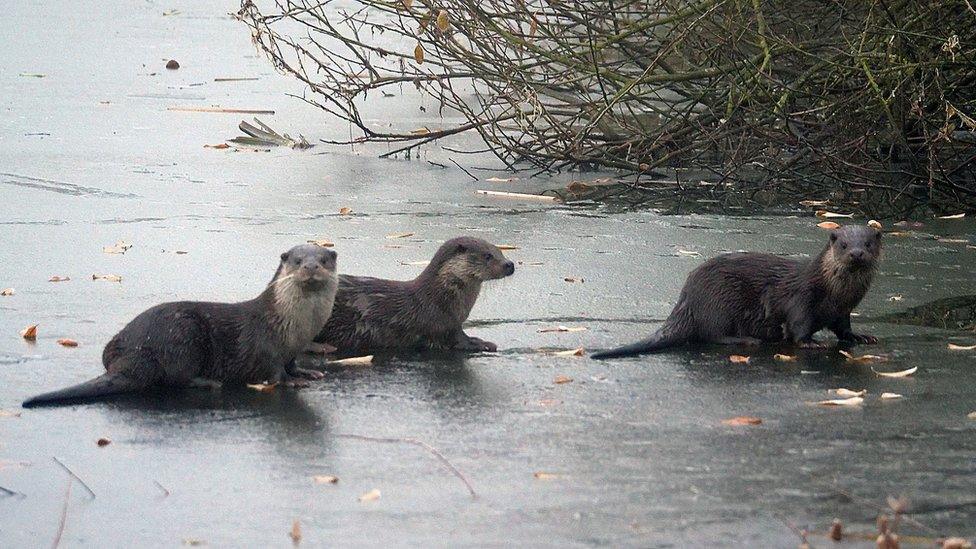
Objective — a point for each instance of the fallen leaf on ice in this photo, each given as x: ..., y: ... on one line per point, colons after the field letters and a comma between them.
x: 7, y: 292
x: 971, y: 415
x: 119, y: 247
x: 262, y: 387
x: 8, y: 413
x: 688, y: 253
x: 296, y: 532
x: 217, y: 146
x: 504, y: 247
x: 398, y: 235
x: 814, y: 202
x: 572, y: 280
x: 542, y: 475
x: 57, y: 278
x: 420, y: 131
x: 874, y: 224
x: 29, y: 333
x: 887, y: 396
x: 828, y: 225
x: 415, y: 263
x: 842, y: 392
x: 354, y: 361
x: 954, y: 347
x: 325, y: 479
x: 501, y: 179
x: 897, y: 297
x: 559, y: 380
x: 953, y: 241
x: 345, y: 211
x: 108, y: 277
x: 562, y: 329
x: 853, y: 401
x: 902, y: 373
x: 372, y: 495
x: 549, y: 402
x: 827, y: 215
x: 65, y: 342
x: 863, y: 359
x: 523, y: 196
x: 322, y: 242
x: 570, y: 352
x: 738, y: 359
x: 193, y: 542
x: 784, y: 358
x: 443, y: 21
x: 104, y: 441
x: 953, y: 216
x: 742, y: 420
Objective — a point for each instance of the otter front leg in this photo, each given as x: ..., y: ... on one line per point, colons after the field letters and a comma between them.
x: 464, y: 342
x: 801, y: 330
x: 842, y: 328
x: 293, y: 370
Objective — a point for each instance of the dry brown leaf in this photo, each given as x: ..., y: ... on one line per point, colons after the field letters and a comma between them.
x: 443, y: 21
x: 572, y: 280
x: 418, y: 53
x: 322, y: 242
x: 853, y: 401
x: 888, y: 396
x: 784, y: 358
x: 65, y: 342
x: 57, y: 278
x: 393, y: 236
x: 407, y: 3
x: 953, y: 216
x: 354, y: 361
x: 836, y: 530
x: 372, y: 495
x: 828, y: 215
x: 8, y: 413
x: 262, y: 387
x: 533, y: 26
x: 954, y: 347
x: 325, y: 479
x: 296, y: 532
x: 828, y: 225
x: 421, y: 131
x: 956, y: 543
x: 901, y: 373
x: 501, y: 179
x: 505, y: 247
x: 217, y: 146
x: 571, y: 352
x: 562, y: 329
x: 29, y: 333
x: 546, y: 402
x: 742, y: 420
x: 108, y: 277
x: 345, y: 210
x: 104, y: 441
x: 559, y: 380
x: 522, y: 196
x: 863, y: 359
x: 874, y: 224
x: 738, y: 359
x: 542, y: 475
x: 846, y: 393
x: 7, y: 292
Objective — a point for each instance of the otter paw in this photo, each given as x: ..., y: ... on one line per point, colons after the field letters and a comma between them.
x: 482, y: 345
x: 305, y: 373
x: 812, y: 344
x: 863, y: 338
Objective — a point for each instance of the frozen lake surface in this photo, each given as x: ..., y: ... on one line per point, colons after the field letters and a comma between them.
x: 631, y: 452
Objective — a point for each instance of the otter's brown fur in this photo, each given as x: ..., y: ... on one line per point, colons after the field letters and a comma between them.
x: 424, y: 313
x: 192, y: 342
x: 749, y: 297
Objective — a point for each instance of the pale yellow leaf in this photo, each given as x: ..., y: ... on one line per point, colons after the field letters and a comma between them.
x: 784, y: 358
x: 325, y: 479
x: 901, y: 373
x: 372, y: 495
x: 739, y: 359
x: 827, y: 215
x: 559, y: 380
x: 563, y: 329
x: 954, y: 347
x: 853, y: 401
x: 354, y: 361
x: 828, y: 225
x: 842, y: 392
x: 889, y: 396
x: 742, y: 420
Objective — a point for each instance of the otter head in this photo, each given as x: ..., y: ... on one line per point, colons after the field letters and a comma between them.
x: 471, y: 260
x: 855, y: 248
x: 309, y: 267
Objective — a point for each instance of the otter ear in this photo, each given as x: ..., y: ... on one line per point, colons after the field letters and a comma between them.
x: 284, y: 257
x: 461, y: 248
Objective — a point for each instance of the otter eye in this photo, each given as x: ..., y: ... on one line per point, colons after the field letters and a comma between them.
x: 284, y: 256
x: 488, y: 257
x: 843, y: 245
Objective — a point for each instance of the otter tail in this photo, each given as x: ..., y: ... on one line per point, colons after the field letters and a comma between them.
x: 654, y: 342
x: 109, y: 383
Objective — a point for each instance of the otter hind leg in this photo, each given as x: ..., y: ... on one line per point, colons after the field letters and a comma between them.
x: 464, y: 342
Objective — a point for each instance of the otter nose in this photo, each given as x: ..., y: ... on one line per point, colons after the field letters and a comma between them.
x: 509, y: 268
x: 857, y: 254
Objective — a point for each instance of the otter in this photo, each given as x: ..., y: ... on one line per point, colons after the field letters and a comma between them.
x: 425, y: 313
x: 194, y: 343
x: 748, y: 298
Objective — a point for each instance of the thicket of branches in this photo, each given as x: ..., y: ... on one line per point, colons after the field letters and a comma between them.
x: 876, y: 97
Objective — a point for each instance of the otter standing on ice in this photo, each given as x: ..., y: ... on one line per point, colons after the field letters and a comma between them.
x: 423, y: 313
x: 745, y: 298
x: 199, y: 343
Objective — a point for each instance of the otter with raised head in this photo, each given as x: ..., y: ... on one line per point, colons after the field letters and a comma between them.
x: 424, y: 313
x: 746, y: 298
x: 194, y: 343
